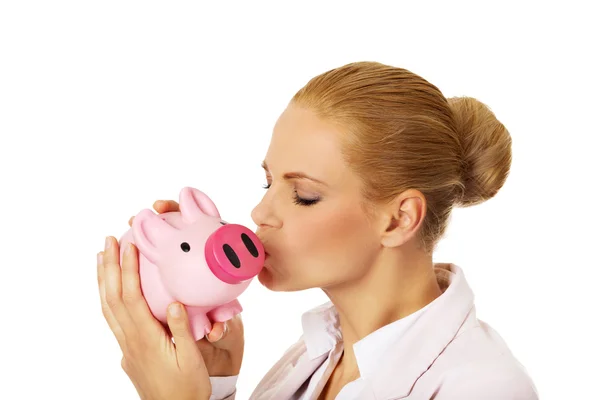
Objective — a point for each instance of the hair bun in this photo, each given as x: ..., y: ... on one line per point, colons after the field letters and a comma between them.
x: 486, y: 150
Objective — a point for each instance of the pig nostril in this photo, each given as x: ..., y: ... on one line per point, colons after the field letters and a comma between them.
x: 230, y: 253
x: 250, y: 245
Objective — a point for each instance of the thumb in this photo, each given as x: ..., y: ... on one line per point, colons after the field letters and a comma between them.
x: 218, y: 332
x: 188, y: 354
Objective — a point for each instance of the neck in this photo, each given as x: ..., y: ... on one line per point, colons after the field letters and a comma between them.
x: 396, y: 286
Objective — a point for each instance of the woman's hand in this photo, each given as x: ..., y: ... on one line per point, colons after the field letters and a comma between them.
x: 223, y: 350
x: 157, y: 368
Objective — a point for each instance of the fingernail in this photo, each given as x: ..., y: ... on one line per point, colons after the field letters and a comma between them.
x: 99, y: 258
x: 107, y: 243
x: 222, y: 334
x: 128, y: 249
x: 175, y: 310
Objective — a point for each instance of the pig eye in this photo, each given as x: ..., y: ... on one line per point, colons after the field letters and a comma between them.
x: 185, y: 246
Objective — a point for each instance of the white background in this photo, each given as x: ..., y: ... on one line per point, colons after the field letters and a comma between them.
x: 106, y: 106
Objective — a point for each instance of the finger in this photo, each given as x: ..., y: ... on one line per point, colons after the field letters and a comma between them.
x: 108, y: 316
x: 188, y: 354
x: 218, y: 332
x: 132, y: 293
x: 113, y: 288
x: 163, y: 206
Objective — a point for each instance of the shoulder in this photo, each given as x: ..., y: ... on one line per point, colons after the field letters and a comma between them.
x: 478, y: 364
x: 496, y: 379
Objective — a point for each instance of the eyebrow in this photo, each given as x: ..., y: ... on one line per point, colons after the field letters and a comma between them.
x: 295, y: 175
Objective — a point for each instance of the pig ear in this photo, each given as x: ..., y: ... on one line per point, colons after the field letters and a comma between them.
x: 149, y: 230
x: 194, y: 203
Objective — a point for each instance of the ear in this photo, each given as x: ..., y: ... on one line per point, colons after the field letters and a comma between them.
x: 149, y: 230
x: 403, y: 217
x: 193, y: 203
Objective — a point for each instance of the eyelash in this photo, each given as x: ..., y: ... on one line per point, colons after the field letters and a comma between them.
x: 297, y: 199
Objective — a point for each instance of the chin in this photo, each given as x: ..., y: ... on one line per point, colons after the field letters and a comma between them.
x: 266, y: 278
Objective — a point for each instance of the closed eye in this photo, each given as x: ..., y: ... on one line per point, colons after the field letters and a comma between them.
x: 304, y: 202
x: 297, y: 199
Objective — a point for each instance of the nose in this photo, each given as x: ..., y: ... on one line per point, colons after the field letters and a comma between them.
x: 234, y: 253
x: 263, y: 214
x: 257, y: 214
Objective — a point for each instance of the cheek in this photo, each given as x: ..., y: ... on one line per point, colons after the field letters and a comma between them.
x: 331, y: 243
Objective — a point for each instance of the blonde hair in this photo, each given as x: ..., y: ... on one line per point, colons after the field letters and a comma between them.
x: 402, y: 133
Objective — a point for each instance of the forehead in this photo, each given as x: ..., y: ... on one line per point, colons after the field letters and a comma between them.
x: 302, y: 142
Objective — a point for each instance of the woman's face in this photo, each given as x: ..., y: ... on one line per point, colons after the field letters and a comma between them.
x: 310, y: 220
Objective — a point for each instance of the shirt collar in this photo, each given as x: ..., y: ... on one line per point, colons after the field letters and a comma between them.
x: 370, y: 349
x: 321, y: 330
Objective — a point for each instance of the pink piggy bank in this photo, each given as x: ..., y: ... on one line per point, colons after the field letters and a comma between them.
x: 195, y: 258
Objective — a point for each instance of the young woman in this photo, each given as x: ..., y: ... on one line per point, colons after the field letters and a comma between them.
x: 363, y: 170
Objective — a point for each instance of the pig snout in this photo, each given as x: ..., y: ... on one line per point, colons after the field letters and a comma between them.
x: 234, y: 253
